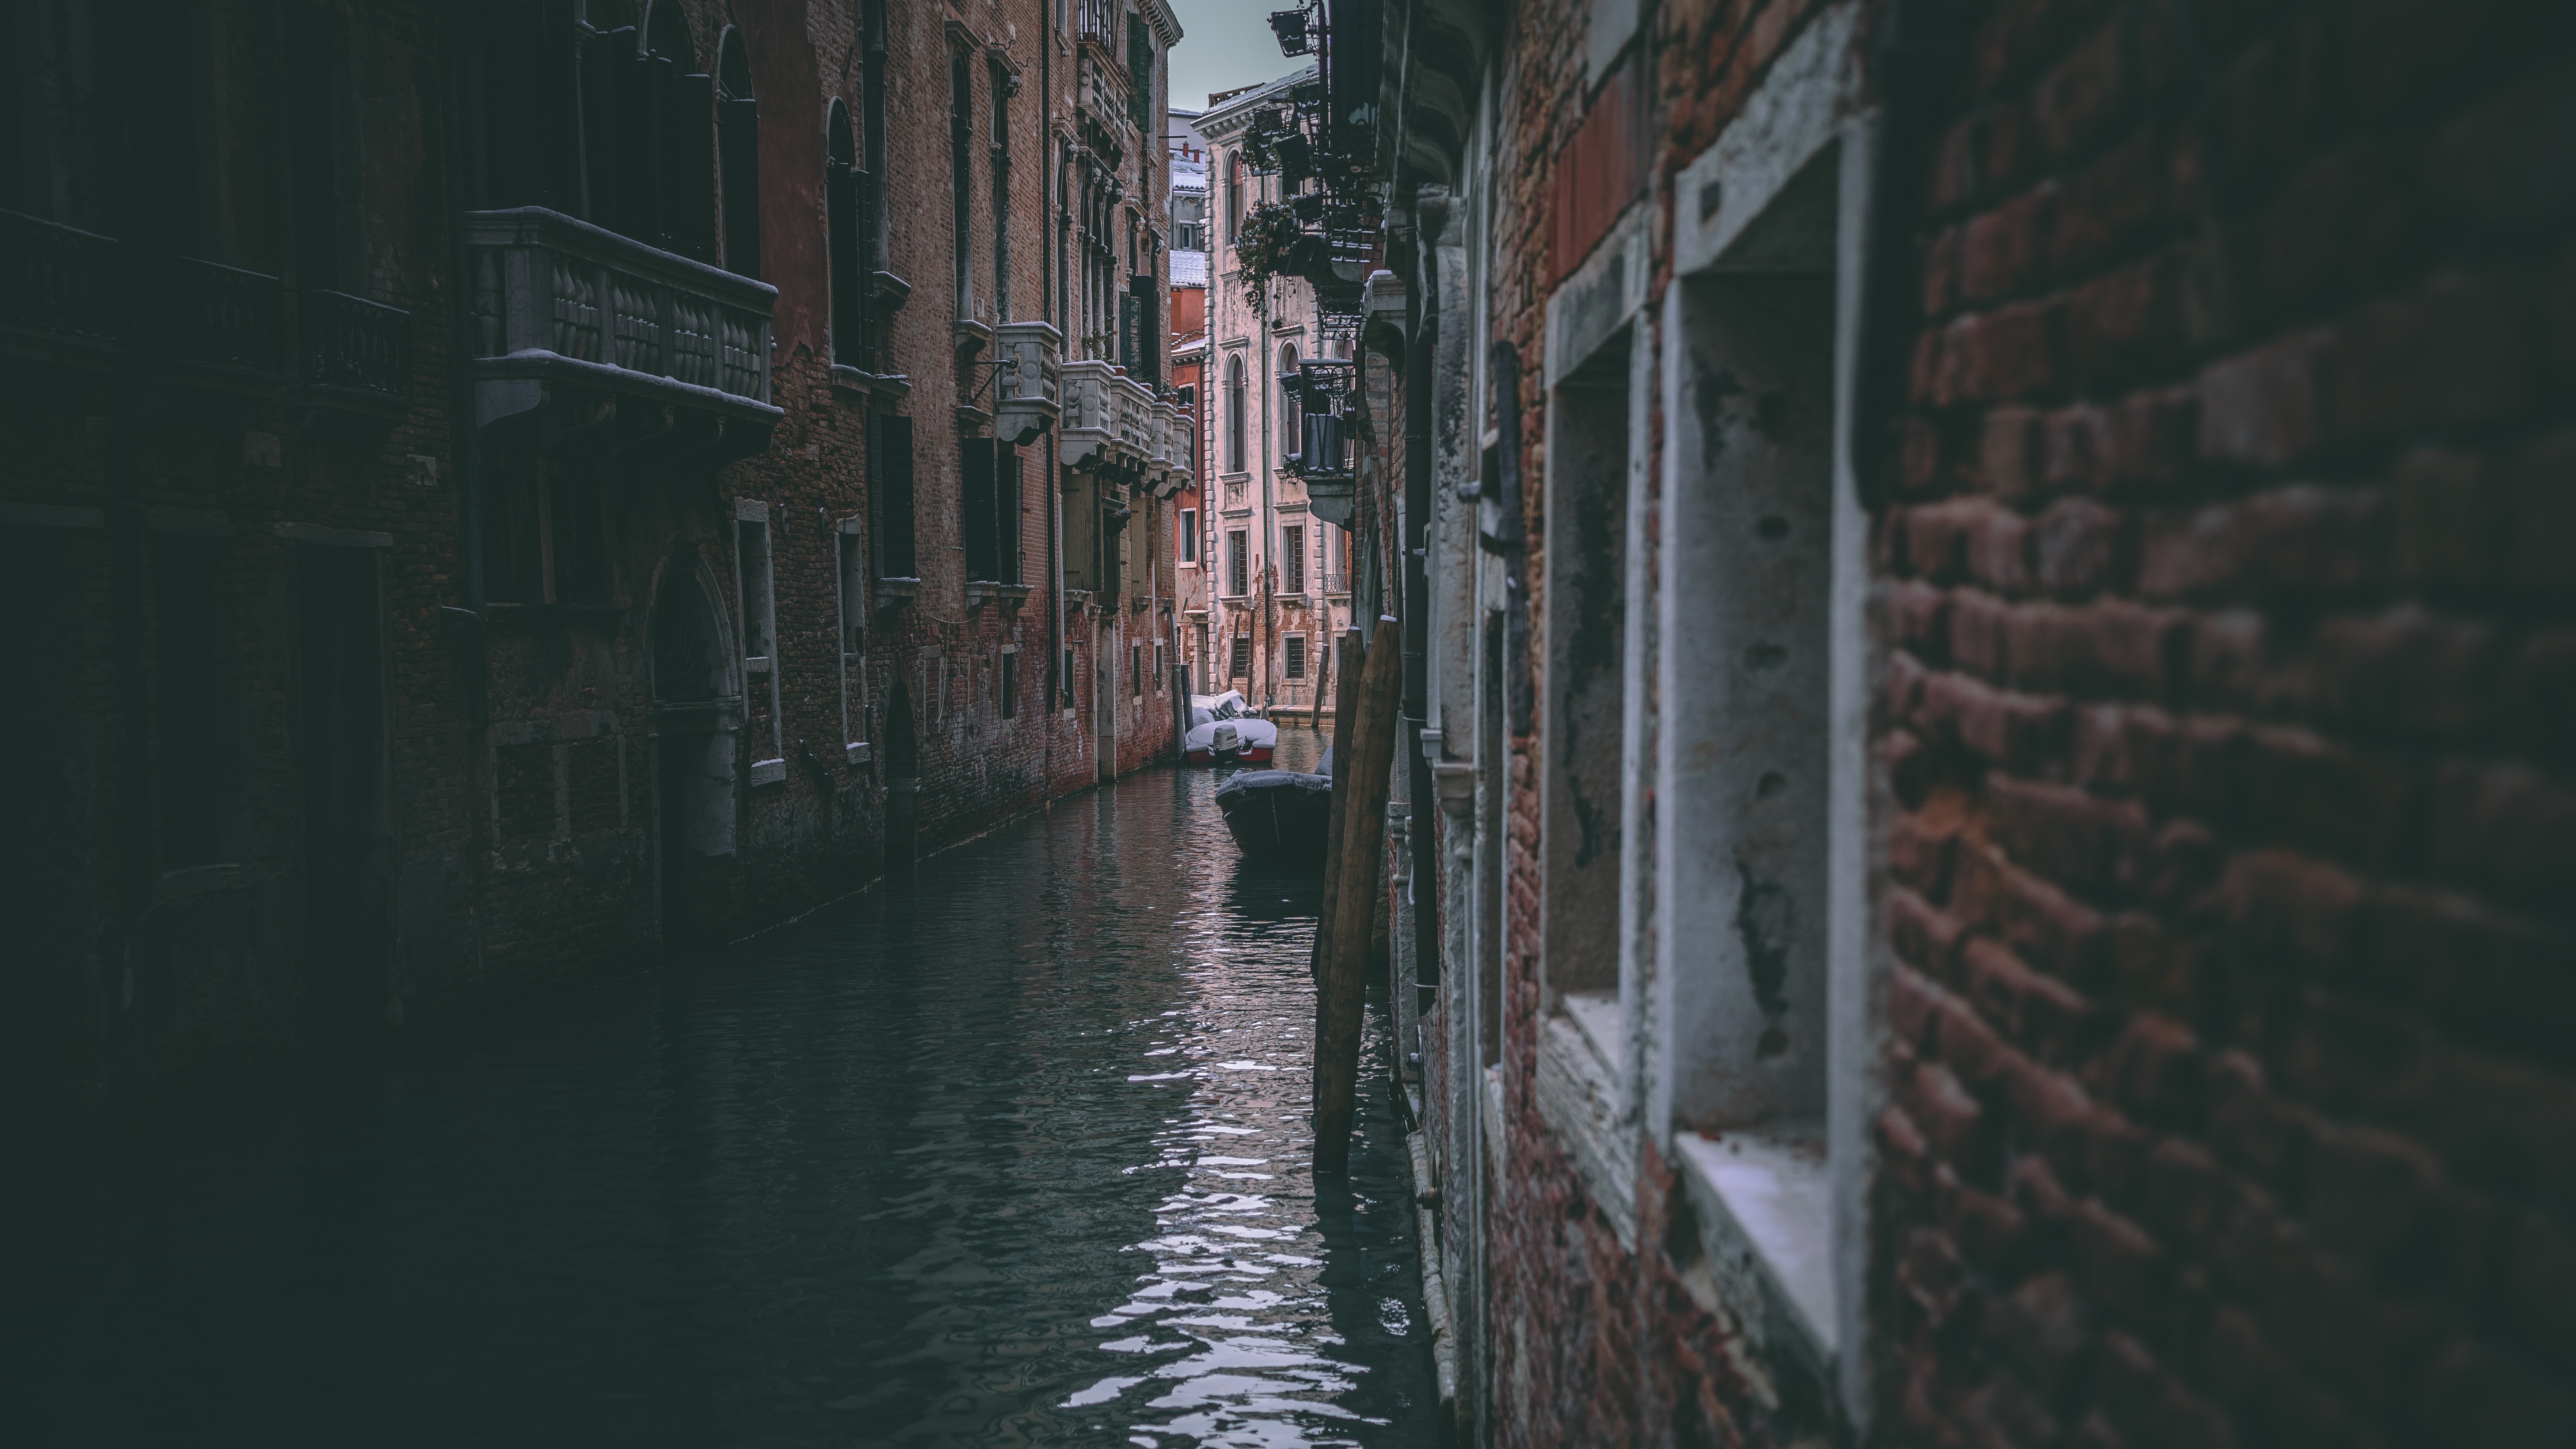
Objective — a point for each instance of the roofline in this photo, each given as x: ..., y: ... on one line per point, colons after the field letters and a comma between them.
x: 1236, y: 114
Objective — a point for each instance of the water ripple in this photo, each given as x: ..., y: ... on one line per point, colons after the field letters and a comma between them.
x: 1012, y: 1154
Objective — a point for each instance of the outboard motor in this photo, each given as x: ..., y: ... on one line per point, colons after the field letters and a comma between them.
x: 1227, y: 746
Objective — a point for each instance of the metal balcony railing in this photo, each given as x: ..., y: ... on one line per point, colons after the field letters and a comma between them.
x: 66, y: 293
x: 218, y: 317
x: 350, y: 343
x: 59, y: 283
x: 1097, y: 22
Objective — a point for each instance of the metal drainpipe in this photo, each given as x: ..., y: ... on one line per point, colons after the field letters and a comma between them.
x: 1051, y: 174
x: 1428, y: 224
x: 1262, y: 626
x: 468, y: 434
x: 469, y: 472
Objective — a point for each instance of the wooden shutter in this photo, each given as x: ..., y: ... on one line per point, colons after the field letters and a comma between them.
x: 605, y: 62
x: 867, y: 195
x: 976, y: 503
x: 738, y: 147
x: 1006, y: 503
x: 689, y: 168
x: 1148, y: 366
x: 894, y: 486
x: 841, y: 185
x: 661, y: 180
x: 544, y: 116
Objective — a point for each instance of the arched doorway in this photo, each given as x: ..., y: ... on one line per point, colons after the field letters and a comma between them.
x: 697, y: 712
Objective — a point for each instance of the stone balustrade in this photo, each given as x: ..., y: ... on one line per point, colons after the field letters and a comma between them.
x: 1026, y: 385
x: 614, y: 342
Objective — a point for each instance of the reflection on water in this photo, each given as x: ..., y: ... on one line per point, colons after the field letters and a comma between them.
x: 1014, y: 1154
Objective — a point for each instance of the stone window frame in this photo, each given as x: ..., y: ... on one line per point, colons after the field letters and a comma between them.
x: 757, y: 623
x: 850, y: 577
x: 1780, y: 1199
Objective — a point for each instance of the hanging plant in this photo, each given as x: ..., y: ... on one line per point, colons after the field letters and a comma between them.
x: 1267, y: 248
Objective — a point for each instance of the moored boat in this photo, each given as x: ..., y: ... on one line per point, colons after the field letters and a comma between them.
x: 1223, y: 732
x: 1278, y: 815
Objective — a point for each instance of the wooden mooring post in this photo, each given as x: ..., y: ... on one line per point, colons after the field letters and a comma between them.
x: 1357, y: 838
x: 1346, y: 689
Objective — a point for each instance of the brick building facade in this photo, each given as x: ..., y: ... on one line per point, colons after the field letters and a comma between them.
x: 495, y: 488
x: 1281, y: 589
x: 1993, y: 611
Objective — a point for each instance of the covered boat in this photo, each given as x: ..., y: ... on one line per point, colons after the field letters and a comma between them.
x: 1278, y: 815
x: 1224, y: 732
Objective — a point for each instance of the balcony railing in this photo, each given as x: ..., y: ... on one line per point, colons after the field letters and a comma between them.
x: 60, y: 284
x: 71, y: 296
x: 1107, y: 422
x: 590, y: 317
x: 1028, y: 357
x: 220, y: 318
x: 347, y: 343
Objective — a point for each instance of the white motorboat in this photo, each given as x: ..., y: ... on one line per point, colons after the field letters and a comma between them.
x: 1224, y: 732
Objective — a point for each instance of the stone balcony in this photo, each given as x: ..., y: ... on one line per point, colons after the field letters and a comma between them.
x: 603, y: 344
x: 1029, y: 360
x: 1171, y: 449
x: 1104, y: 428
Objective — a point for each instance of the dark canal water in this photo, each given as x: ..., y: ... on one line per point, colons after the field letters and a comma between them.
x: 1012, y: 1154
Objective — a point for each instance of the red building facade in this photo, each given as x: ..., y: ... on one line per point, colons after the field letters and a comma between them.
x: 512, y: 486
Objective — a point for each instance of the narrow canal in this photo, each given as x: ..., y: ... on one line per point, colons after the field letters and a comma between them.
x: 1013, y: 1153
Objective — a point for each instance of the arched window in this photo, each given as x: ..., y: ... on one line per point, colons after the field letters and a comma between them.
x: 961, y: 176
x: 738, y: 155
x: 1234, y: 413
x: 1233, y: 197
x: 320, y: 146
x: 646, y: 168
x: 1289, y: 442
x: 666, y: 34
x: 844, y: 196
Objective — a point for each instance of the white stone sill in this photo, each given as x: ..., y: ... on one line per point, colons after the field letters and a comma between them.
x: 1764, y: 1200
x: 1576, y: 1091
x: 1596, y: 1015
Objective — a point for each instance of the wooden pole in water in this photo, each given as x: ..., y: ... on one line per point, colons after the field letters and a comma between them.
x: 1346, y: 665
x: 1362, y: 809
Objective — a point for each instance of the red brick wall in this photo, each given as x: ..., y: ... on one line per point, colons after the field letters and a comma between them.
x: 2226, y: 582
x: 491, y: 895
x: 2229, y: 589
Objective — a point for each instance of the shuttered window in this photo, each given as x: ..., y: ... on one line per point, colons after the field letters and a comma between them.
x: 890, y: 493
